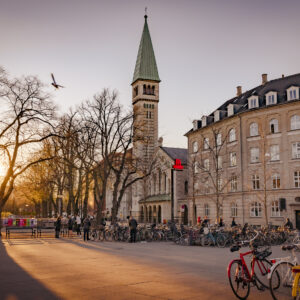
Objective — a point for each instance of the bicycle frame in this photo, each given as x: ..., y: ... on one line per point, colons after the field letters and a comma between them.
x: 249, y: 276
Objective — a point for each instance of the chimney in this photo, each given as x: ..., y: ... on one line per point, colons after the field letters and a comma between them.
x: 282, y: 76
x: 238, y: 90
x: 160, y: 142
x: 264, y: 78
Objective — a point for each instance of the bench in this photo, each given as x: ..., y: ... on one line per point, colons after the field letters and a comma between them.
x: 32, y: 230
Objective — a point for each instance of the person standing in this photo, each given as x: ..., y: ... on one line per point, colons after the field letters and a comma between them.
x: 57, y: 227
x: 86, y: 228
x: 78, y: 225
x: 233, y: 224
x: 133, y: 226
x: 288, y: 224
x: 70, y: 226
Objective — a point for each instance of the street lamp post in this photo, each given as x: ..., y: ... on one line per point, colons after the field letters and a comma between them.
x: 177, y: 167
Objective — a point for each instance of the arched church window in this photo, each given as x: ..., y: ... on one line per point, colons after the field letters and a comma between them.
x: 144, y: 89
x: 153, y: 89
x: 148, y: 90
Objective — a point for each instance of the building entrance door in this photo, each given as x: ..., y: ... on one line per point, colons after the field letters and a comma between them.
x: 297, y: 212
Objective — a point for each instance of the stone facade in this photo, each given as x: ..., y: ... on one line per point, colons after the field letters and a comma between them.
x: 262, y: 176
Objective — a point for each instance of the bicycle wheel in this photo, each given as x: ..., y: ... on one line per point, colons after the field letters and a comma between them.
x: 238, y: 279
x: 281, y: 281
x: 261, y: 270
x: 221, y: 241
x: 108, y: 236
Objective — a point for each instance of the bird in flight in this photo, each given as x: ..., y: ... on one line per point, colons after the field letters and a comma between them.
x: 57, y: 86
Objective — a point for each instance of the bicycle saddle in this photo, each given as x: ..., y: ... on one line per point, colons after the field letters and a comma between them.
x: 235, y: 248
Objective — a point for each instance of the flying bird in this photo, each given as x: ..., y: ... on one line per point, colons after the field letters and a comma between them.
x: 57, y: 86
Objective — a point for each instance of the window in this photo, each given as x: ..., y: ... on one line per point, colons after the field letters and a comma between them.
x: 255, y: 182
x: 255, y: 209
x: 271, y: 98
x: 233, y: 183
x: 195, y: 147
x: 144, y: 89
x: 206, y: 210
x: 297, y: 179
x: 253, y: 129
x: 153, y: 89
x: 274, y: 150
x: 252, y: 102
x: 206, y: 164
x: 296, y: 150
x: 233, y: 210
x: 136, y: 91
x: 274, y: 126
x: 232, y: 159
x: 254, y: 155
x: 206, y: 186
x: 219, y: 166
x: 219, y: 139
x: 276, y: 181
x: 295, y: 122
x: 292, y: 93
x: 206, y: 143
x: 220, y: 184
x: 186, y: 187
x: 196, y: 168
x: 232, y: 136
x: 275, y: 211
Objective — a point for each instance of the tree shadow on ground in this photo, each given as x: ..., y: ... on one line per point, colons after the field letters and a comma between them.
x: 17, y: 284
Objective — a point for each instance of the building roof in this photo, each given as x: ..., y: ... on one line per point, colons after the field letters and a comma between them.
x: 279, y: 85
x: 145, y: 67
x: 177, y: 153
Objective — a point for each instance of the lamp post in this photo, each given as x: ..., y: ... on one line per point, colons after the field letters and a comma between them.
x: 177, y: 167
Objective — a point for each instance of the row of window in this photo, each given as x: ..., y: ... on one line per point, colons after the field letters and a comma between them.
x: 255, y: 180
x: 271, y: 97
x: 253, y: 129
x: 255, y: 209
x: 146, y: 105
x: 147, y: 90
x: 274, y: 155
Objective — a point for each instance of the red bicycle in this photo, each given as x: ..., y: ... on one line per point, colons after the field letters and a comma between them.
x: 240, y: 278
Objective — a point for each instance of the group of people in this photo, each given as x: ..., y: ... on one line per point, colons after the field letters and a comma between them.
x: 74, y: 225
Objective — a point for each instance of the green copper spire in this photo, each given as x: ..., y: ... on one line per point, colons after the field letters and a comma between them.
x: 145, y: 67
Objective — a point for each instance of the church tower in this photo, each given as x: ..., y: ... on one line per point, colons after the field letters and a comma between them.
x: 145, y: 98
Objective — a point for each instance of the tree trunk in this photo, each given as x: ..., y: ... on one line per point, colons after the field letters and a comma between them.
x: 86, y: 194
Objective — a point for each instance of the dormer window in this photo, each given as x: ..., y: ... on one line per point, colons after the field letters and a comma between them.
x: 292, y: 93
x: 253, y: 102
x: 230, y: 110
x: 217, y: 115
x: 271, y: 98
x: 204, y: 121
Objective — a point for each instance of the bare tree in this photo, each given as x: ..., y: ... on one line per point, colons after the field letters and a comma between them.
x: 27, y: 115
x: 212, y: 162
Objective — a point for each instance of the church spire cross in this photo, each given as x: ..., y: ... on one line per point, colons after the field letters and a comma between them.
x: 146, y: 16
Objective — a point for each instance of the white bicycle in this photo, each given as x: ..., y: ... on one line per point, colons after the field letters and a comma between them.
x: 281, y: 276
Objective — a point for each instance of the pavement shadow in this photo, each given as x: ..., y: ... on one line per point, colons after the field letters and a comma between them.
x: 17, y: 284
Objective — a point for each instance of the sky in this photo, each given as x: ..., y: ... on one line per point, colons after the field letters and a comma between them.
x: 203, y: 49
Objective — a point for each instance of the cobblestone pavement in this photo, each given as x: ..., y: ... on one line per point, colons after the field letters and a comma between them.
x: 64, y: 268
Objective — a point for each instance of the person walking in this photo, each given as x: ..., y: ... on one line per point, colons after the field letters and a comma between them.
x: 78, y: 225
x: 57, y: 227
x: 86, y: 228
x: 133, y: 226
